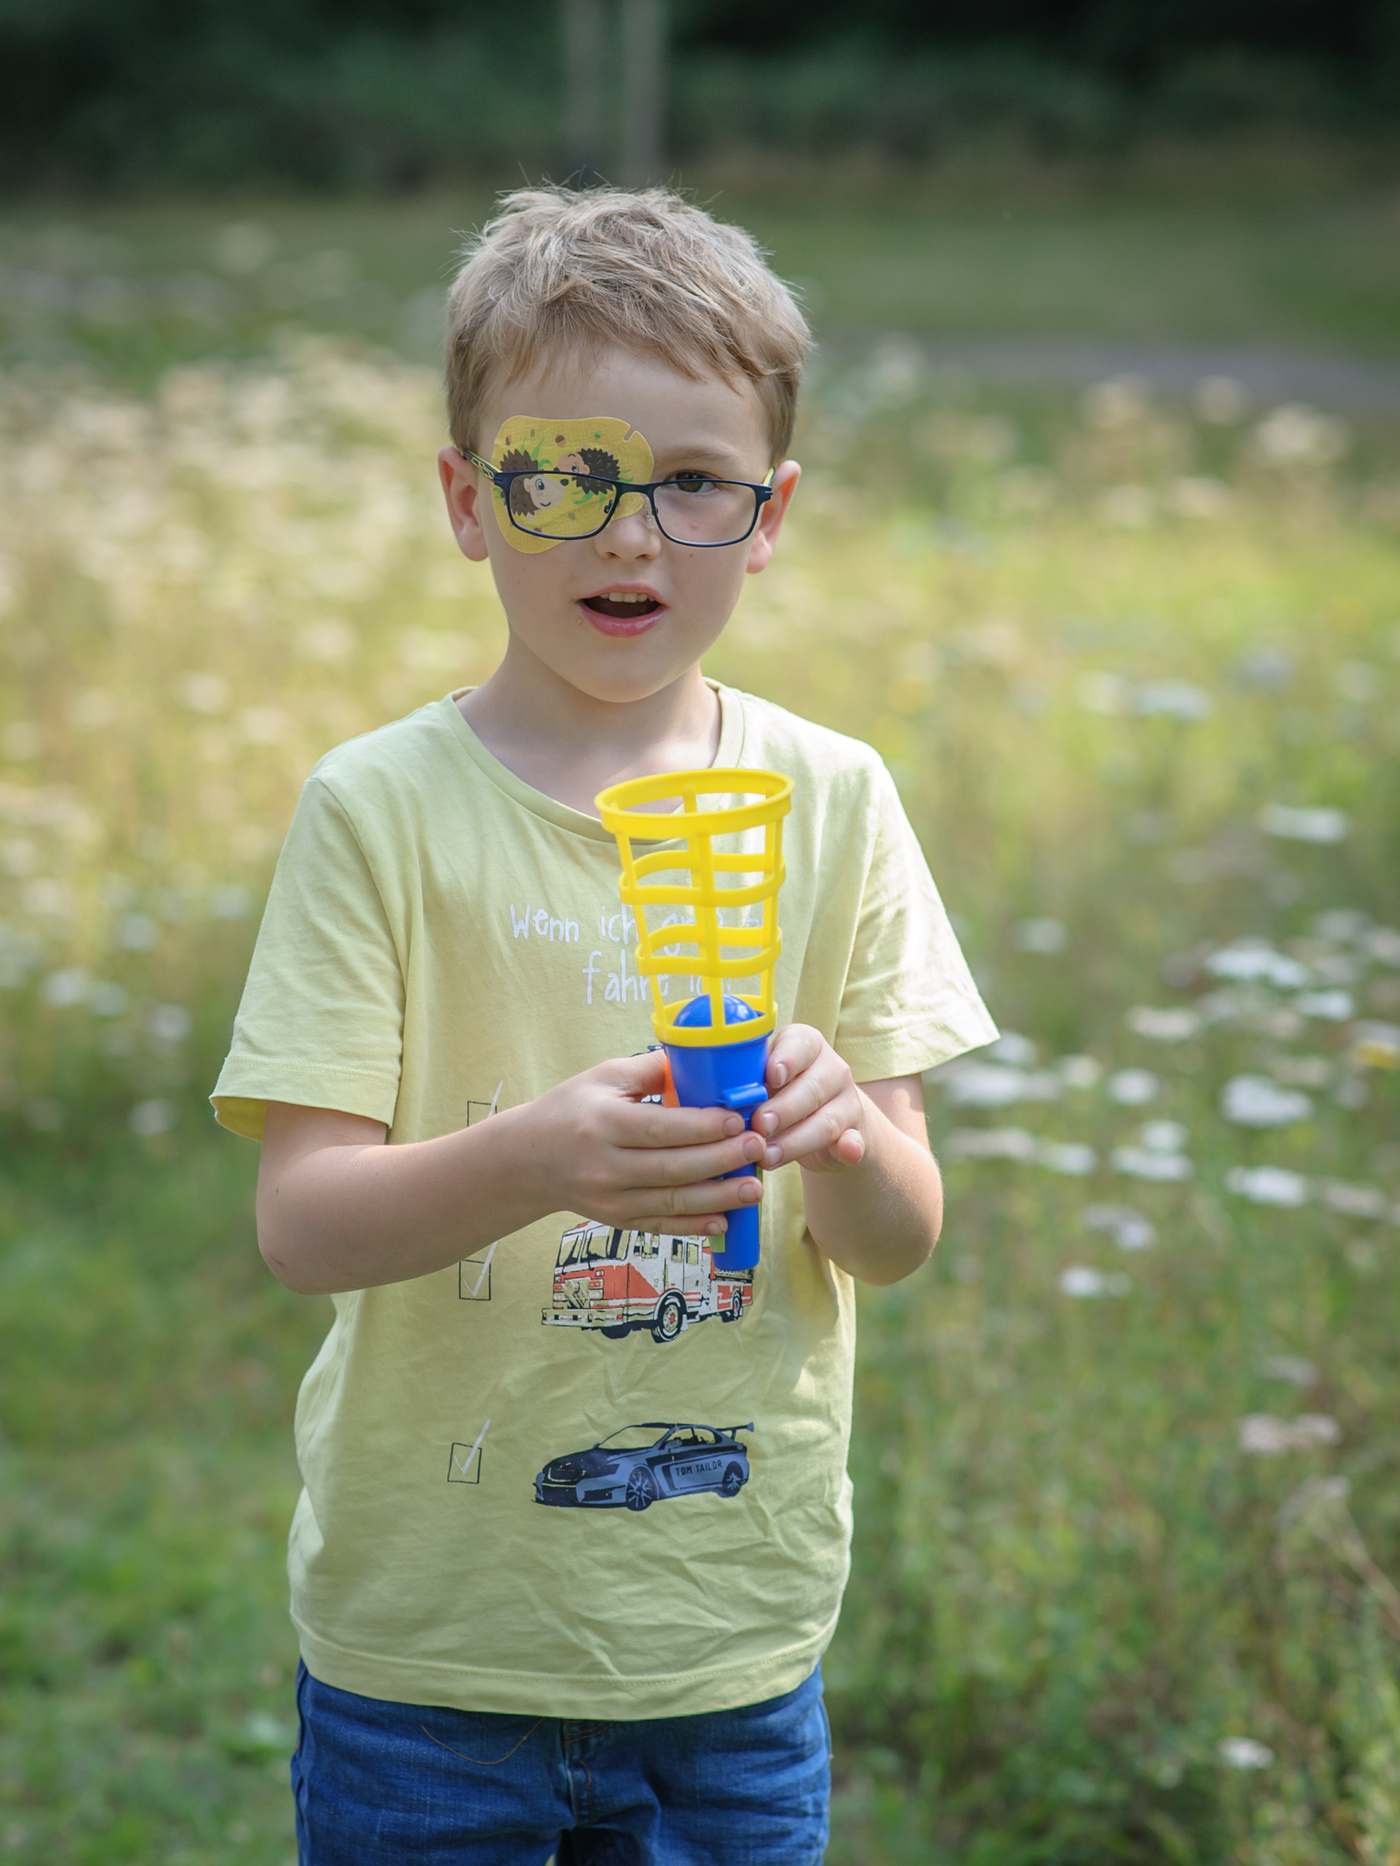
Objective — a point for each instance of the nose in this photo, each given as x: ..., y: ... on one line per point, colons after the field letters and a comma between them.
x: 633, y: 537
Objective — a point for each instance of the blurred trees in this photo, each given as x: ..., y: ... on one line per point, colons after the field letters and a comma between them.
x: 390, y: 92
x: 1127, y: 38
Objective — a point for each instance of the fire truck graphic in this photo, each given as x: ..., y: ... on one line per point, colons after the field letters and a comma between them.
x: 641, y: 1463
x: 616, y: 1281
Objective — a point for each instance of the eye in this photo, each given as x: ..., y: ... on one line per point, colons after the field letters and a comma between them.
x: 693, y: 482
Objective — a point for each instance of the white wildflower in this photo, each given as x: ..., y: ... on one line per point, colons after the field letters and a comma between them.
x: 1172, y: 1024
x: 137, y: 932
x: 1332, y: 1007
x: 1143, y: 1163
x: 1316, y: 1428
x: 1079, y: 1280
x: 1264, y: 1436
x: 1267, y: 1185
x: 1354, y: 1201
x: 991, y: 1143
x: 1101, y: 692
x: 1309, y: 1072
x: 1242, y: 1752
x: 1172, y: 699
x: 1220, y: 400
x: 1042, y: 936
x: 1070, y: 1157
x: 203, y: 693
x: 1129, y: 507
x: 1078, y: 1072
x: 1255, y: 1101
x: 242, y: 247
x: 21, y: 739
x: 997, y: 1085
x: 331, y: 640
x: 70, y: 986
x: 1248, y: 961
x: 1290, y: 1367
x: 265, y: 725
x: 1200, y: 495
x: 1117, y: 402
x: 1011, y: 1047
x: 108, y: 999
x: 1296, y: 434
x: 1293, y: 824
x: 1130, y: 1230
x: 149, y: 1118
x: 230, y: 903
x: 1383, y: 945
x: 170, y: 1023
x: 1162, y: 1136
x: 1357, y: 682
x: 1130, y: 1088
x: 46, y: 898
x: 1341, y: 924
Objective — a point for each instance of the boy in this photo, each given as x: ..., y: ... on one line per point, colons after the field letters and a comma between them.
x: 485, y: 1679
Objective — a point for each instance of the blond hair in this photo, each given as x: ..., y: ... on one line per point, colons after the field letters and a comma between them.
x: 563, y: 270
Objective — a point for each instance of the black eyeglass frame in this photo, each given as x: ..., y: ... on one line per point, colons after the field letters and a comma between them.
x: 504, y: 481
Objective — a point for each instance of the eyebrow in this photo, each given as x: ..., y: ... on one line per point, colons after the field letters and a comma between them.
x: 724, y: 460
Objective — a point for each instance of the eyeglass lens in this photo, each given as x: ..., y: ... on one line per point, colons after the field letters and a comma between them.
x: 690, y: 511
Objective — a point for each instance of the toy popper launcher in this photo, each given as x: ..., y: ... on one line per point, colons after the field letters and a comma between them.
x: 703, y: 881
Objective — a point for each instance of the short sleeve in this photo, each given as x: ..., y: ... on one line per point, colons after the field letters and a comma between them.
x: 321, y: 1019
x: 909, y: 1001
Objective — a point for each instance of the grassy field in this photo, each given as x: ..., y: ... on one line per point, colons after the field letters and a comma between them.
x: 1126, y: 1466
x: 1292, y: 245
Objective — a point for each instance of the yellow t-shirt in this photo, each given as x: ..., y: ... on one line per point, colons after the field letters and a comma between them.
x: 441, y: 941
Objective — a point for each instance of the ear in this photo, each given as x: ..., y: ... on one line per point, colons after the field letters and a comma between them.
x: 464, y: 493
x: 770, y: 519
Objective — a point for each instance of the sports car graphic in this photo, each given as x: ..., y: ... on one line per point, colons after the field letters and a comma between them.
x: 640, y: 1463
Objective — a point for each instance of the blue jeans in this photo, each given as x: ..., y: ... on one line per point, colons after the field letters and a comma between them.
x: 381, y: 1784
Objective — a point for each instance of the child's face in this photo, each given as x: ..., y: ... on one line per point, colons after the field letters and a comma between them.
x: 557, y: 602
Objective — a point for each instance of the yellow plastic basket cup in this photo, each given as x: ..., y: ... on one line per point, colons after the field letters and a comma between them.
x: 703, y: 868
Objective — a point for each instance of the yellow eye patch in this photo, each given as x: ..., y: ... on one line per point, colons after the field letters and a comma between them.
x: 562, y: 464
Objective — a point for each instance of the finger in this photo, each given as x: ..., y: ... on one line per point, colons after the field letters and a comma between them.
x: 647, y: 1124
x: 819, y: 1130
x: 794, y: 1048
x: 702, y: 1224
x: 640, y: 1075
x: 826, y: 1079
x: 685, y: 1207
x: 687, y: 1166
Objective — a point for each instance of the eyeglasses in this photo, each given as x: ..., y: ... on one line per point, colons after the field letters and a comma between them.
x: 688, y: 508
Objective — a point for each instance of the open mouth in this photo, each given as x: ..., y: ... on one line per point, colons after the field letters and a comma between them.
x: 623, y: 606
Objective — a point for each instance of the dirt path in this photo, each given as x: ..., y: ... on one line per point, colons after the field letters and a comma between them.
x: 1347, y: 384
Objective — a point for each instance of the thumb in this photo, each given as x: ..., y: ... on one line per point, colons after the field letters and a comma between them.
x: 638, y: 1076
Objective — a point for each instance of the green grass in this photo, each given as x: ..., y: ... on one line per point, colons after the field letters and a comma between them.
x: 1311, y: 273
x: 1293, y: 247
x: 1072, y: 1581
x: 146, y: 1483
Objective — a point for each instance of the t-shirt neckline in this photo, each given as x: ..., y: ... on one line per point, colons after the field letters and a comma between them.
x: 728, y: 754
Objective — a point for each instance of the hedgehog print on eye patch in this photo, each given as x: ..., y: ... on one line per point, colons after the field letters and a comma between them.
x: 564, y: 466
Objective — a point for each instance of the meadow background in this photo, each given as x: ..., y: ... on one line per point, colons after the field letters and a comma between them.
x: 1126, y: 1462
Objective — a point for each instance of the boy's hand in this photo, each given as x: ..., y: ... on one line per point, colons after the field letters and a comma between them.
x: 815, y: 1113
x: 605, y: 1151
